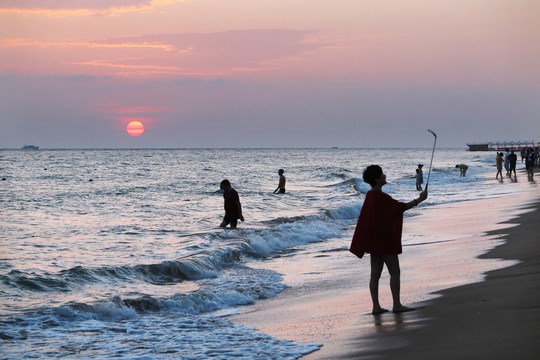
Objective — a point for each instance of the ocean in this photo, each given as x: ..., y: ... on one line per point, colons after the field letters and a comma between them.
x: 119, y: 254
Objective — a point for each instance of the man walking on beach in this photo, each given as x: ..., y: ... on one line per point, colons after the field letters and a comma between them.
x: 233, y: 208
x: 378, y: 232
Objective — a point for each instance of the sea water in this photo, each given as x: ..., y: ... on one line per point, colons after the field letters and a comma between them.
x: 119, y: 254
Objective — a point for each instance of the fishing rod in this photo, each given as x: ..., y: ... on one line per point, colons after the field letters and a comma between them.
x: 432, y: 153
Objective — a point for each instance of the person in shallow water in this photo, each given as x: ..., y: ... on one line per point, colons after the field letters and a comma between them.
x: 233, y: 208
x: 281, y: 186
x: 462, y: 169
x: 419, y: 177
x: 378, y: 232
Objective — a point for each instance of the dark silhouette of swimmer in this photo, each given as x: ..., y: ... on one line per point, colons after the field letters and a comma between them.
x: 281, y: 186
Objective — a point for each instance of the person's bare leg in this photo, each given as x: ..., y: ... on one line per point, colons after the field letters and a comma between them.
x: 392, y: 263
x: 377, y: 265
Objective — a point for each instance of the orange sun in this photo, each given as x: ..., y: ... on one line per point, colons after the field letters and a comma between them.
x: 135, y: 128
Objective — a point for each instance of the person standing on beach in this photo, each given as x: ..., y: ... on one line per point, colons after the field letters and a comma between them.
x: 233, y: 208
x: 281, y: 186
x: 499, y: 162
x: 378, y: 232
x: 507, y: 162
x: 419, y: 177
x: 529, y: 163
x: 512, y: 159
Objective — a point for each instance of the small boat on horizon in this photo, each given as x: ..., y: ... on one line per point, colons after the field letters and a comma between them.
x: 503, y: 145
x: 30, y: 147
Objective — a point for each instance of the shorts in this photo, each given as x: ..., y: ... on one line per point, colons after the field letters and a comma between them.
x: 228, y: 220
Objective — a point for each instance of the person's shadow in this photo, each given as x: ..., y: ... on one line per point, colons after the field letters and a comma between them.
x: 388, y: 323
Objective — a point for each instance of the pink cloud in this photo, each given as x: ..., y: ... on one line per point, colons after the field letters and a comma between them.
x: 13, y: 43
x: 67, y: 8
x: 70, y: 4
x: 138, y: 110
x: 204, y: 55
x: 123, y: 115
x: 129, y: 119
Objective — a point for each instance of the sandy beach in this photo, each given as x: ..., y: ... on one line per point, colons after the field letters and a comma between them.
x: 495, y: 315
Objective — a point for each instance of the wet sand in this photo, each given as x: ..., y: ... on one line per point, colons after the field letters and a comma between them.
x: 497, y: 318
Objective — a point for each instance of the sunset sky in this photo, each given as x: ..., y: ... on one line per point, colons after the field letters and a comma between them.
x: 268, y: 73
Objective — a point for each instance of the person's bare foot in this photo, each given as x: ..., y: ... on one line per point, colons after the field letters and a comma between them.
x: 401, y: 308
x: 379, y: 311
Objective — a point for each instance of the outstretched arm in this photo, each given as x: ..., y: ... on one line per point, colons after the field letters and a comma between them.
x: 423, y: 196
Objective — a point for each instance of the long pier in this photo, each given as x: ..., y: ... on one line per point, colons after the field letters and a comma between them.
x: 503, y: 145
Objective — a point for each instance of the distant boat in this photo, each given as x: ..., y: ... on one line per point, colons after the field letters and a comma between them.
x: 30, y: 147
x: 502, y: 145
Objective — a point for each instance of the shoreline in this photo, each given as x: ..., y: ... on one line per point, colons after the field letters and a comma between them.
x: 497, y: 318
x: 336, y: 313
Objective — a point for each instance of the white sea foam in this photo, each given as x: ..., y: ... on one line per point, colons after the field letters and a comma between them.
x: 133, y: 264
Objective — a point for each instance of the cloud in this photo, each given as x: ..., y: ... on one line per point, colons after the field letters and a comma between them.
x: 13, y: 43
x: 137, y: 110
x: 126, y: 114
x: 133, y: 67
x: 85, y: 8
x: 195, y: 54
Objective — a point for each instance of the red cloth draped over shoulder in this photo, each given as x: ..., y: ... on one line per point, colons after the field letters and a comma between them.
x: 379, y: 226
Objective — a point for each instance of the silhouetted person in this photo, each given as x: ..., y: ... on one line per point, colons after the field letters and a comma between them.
x: 499, y: 161
x: 419, y: 177
x: 462, y: 169
x: 523, y: 154
x: 529, y: 163
x: 378, y: 232
x: 281, y: 186
x: 512, y: 159
x: 507, y: 161
x: 233, y: 208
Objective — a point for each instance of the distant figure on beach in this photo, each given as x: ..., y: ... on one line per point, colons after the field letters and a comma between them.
x: 462, y: 169
x: 378, y: 232
x: 281, y: 186
x: 233, y: 208
x: 512, y: 159
x: 507, y: 162
x: 419, y: 177
x: 529, y: 163
x: 499, y: 161
x: 523, y: 154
